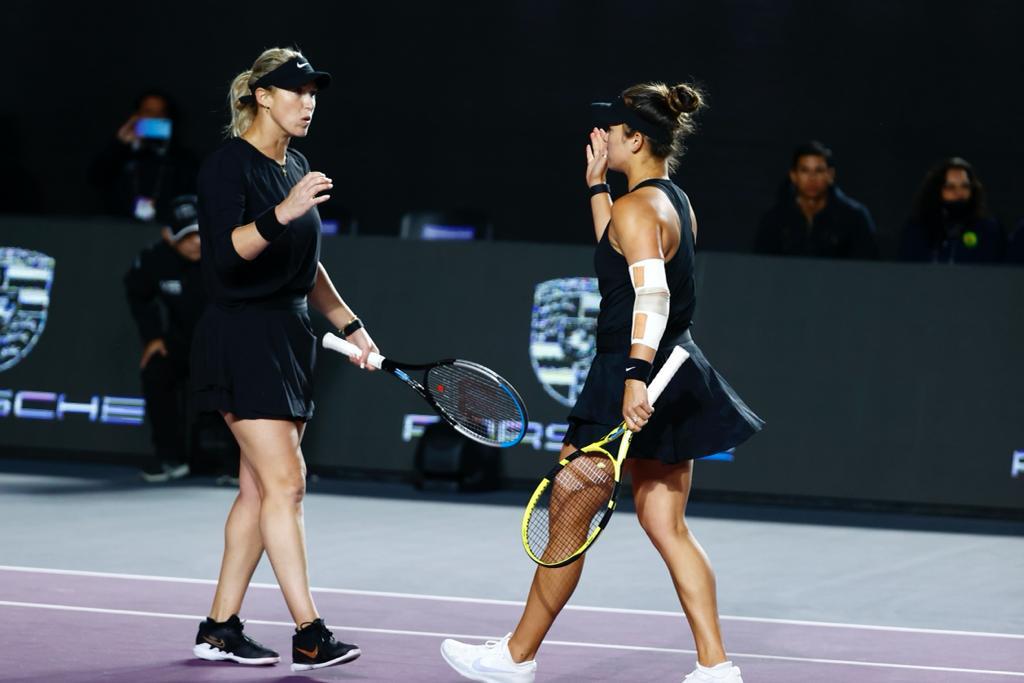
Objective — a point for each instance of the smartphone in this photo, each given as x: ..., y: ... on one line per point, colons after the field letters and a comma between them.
x: 153, y: 129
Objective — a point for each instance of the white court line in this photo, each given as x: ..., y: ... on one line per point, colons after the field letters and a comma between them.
x: 564, y: 643
x: 514, y: 603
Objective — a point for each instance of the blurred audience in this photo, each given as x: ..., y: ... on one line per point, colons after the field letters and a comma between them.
x: 951, y: 223
x: 813, y: 217
x: 166, y: 296
x: 144, y: 164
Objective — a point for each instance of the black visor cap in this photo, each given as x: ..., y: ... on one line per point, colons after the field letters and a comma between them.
x: 294, y: 73
x: 608, y: 114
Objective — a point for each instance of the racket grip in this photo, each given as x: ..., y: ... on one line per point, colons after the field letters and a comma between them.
x: 336, y: 343
x: 667, y: 372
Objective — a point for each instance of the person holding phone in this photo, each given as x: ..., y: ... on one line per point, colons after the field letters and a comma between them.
x: 254, y: 348
x: 145, y: 164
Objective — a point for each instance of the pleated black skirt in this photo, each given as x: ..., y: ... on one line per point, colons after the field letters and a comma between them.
x: 255, y: 361
x: 698, y: 414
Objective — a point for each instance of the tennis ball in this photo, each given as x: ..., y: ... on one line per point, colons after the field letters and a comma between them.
x: 970, y: 239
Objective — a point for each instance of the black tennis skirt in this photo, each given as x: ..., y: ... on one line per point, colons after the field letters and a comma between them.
x: 698, y: 414
x: 255, y: 361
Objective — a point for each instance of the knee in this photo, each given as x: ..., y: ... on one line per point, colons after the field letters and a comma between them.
x: 661, y: 528
x: 249, y: 494
x: 291, y: 489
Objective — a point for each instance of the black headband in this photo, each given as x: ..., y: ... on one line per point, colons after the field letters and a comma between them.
x: 607, y: 114
x: 296, y: 72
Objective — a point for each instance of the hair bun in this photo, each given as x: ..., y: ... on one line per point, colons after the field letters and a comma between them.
x: 684, y: 99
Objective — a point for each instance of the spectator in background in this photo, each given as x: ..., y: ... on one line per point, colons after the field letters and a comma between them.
x: 144, y: 164
x: 813, y: 217
x: 166, y: 295
x: 951, y: 223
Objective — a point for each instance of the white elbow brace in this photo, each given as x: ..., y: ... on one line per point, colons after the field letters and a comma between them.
x: 650, y: 309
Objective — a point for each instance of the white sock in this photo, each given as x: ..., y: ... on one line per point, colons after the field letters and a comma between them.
x: 718, y: 670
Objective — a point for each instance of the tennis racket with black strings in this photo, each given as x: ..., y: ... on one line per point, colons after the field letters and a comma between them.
x: 476, y: 401
x: 575, y: 500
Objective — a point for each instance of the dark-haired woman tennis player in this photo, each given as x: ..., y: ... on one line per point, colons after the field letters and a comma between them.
x: 644, y: 263
x: 253, y: 354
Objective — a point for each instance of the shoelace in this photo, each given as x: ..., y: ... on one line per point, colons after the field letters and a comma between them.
x: 241, y: 632
x: 493, y: 644
x: 325, y: 633
x: 245, y: 637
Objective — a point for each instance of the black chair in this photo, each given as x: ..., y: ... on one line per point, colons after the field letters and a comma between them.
x: 339, y: 221
x: 463, y: 224
x: 447, y: 461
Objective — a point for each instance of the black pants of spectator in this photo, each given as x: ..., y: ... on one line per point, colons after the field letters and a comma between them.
x: 165, y: 388
x: 178, y: 435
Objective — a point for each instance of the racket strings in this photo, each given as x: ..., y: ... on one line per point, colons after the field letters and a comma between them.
x: 477, y: 401
x: 571, y: 507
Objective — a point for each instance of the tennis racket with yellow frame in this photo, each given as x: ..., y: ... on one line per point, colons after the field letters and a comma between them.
x: 573, y: 503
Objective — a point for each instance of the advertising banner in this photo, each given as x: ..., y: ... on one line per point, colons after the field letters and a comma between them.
x: 878, y: 381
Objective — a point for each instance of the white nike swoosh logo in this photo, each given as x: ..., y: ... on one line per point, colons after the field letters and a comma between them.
x: 301, y: 65
x: 631, y: 367
x: 484, y: 669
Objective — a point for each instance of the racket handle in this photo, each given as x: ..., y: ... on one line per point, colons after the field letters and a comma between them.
x: 336, y: 343
x: 667, y: 372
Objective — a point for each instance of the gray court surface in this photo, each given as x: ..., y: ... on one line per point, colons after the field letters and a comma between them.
x: 806, y: 595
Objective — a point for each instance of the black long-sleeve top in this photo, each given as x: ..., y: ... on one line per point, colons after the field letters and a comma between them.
x: 237, y: 184
x: 160, y: 278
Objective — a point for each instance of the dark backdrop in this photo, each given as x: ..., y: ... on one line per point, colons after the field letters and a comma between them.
x: 440, y: 105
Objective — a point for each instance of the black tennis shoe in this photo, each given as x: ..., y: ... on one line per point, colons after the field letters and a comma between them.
x: 224, y: 641
x: 314, y: 647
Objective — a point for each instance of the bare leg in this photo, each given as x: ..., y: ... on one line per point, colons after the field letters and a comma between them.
x: 271, y: 449
x: 550, y: 590
x: 661, y: 492
x: 243, y: 546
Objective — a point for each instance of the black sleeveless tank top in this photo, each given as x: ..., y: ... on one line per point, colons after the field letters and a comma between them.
x: 615, y: 319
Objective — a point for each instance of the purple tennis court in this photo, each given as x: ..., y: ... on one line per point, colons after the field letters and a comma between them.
x: 136, y: 628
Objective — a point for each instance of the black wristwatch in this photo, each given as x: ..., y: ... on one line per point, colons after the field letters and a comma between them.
x: 353, y: 325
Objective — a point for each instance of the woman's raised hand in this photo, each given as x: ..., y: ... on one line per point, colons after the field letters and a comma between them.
x: 597, y: 157
x: 303, y: 197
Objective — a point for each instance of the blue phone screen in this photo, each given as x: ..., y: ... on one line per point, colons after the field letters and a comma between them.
x: 157, y: 129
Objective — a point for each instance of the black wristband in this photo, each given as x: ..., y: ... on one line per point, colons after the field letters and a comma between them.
x: 268, y: 227
x: 353, y: 326
x: 637, y: 368
x: 600, y: 188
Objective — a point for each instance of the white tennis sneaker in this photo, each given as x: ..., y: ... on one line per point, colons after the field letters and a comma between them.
x: 488, y: 663
x: 723, y: 673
